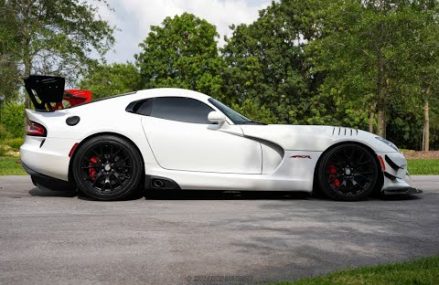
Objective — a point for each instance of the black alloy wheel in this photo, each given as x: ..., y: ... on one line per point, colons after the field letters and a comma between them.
x: 348, y: 172
x: 107, y: 168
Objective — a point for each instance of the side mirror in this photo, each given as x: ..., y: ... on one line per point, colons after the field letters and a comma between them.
x: 216, y: 118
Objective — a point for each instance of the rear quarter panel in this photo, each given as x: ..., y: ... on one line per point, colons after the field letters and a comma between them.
x: 104, y: 117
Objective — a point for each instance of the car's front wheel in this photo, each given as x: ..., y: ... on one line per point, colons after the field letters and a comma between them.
x: 107, y: 168
x: 348, y: 172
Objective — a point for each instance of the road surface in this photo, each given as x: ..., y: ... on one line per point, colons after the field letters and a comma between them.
x: 205, y: 237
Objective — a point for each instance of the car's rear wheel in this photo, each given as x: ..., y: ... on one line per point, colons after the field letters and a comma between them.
x: 107, y: 168
x: 348, y: 172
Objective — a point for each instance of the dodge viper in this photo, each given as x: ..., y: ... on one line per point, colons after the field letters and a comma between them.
x: 171, y: 138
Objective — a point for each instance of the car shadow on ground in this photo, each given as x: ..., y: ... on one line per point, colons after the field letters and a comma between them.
x: 213, y: 195
x: 224, y: 195
x: 254, y: 195
x: 45, y: 192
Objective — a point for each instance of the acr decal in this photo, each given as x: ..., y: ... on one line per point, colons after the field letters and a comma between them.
x: 301, y: 156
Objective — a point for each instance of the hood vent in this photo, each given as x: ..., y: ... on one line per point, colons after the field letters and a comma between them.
x: 345, y: 132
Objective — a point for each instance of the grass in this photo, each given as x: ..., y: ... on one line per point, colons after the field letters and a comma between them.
x: 10, y: 166
x: 423, y: 166
x: 419, y: 272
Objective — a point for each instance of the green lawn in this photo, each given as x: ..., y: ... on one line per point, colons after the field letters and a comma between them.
x: 423, y: 166
x: 10, y: 166
x: 420, y: 272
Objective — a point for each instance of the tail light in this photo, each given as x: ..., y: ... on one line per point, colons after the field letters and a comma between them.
x: 35, y: 129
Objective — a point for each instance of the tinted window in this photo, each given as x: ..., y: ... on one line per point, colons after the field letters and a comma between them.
x: 145, y: 108
x: 175, y: 108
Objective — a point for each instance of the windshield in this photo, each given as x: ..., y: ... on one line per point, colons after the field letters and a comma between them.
x: 234, y: 116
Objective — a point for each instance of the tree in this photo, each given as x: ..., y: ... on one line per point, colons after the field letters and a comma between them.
x: 106, y: 80
x: 426, y: 62
x: 182, y: 52
x: 56, y: 37
x: 9, y: 73
x: 366, y: 54
x: 266, y: 64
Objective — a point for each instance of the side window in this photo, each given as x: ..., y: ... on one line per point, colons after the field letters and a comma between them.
x: 175, y: 108
x: 145, y: 108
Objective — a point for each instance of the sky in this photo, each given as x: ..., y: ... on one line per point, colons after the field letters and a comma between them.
x: 133, y: 19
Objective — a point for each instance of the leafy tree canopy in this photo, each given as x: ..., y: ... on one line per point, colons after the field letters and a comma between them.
x: 54, y: 37
x: 182, y: 52
x: 106, y: 80
x: 367, y: 51
x: 266, y: 62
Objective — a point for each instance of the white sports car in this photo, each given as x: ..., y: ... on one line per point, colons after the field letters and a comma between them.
x: 180, y: 139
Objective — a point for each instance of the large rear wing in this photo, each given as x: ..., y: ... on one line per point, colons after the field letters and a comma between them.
x: 47, y: 93
x: 44, y: 90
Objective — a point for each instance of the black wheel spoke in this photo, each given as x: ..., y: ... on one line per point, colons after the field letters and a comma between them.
x: 360, y: 158
x: 99, y: 176
x: 107, y: 167
x: 350, y: 171
x: 109, y: 182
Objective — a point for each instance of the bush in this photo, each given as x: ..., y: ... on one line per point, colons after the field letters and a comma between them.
x: 14, y: 143
x: 13, y: 119
x: 4, y: 133
x: 3, y: 149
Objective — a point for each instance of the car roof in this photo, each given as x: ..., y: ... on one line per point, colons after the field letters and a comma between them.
x: 143, y: 94
x: 164, y: 92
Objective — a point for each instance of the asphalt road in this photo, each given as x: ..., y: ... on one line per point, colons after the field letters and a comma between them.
x: 204, y: 237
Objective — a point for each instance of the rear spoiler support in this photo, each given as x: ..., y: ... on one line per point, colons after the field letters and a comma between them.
x: 44, y: 90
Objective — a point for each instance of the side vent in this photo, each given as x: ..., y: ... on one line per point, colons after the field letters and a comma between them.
x: 345, y: 132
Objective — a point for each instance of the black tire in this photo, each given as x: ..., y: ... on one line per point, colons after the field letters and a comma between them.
x: 107, y: 168
x: 348, y: 172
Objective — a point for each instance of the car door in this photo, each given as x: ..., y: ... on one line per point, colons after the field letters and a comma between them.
x: 182, y: 138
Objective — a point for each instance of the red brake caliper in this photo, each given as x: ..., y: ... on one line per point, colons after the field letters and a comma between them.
x: 92, y: 171
x: 333, y: 180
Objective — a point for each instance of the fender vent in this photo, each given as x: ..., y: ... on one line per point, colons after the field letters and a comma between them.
x: 345, y: 132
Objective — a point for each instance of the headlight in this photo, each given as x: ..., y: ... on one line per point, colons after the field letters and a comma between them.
x: 389, y: 143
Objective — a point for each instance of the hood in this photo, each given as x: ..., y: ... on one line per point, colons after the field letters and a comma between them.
x: 311, y: 138
x: 292, y: 137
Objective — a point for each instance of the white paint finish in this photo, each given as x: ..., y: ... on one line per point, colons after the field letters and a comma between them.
x: 196, y: 156
x: 216, y: 117
x: 51, y: 159
x: 311, y: 138
x: 399, y: 160
x: 271, y: 158
x: 222, y: 181
x: 201, y: 147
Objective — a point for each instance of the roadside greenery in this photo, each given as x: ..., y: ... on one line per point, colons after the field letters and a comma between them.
x: 370, y: 64
x: 10, y: 161
x: 10, y: 166
x: 49, y: 37
x: 12, y: 119
x: 181, y: 52
x: 422, y: 272
x: 423, y: 166
x: 106, y: 80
